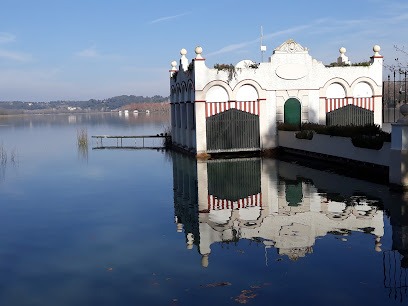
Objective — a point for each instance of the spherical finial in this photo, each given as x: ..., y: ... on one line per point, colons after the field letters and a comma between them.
x: 198, y: 50
x: 342, y: 50
x: 183, y: 51
x: 404, y: 110
x: 376, y: 50
x: 173, y: 64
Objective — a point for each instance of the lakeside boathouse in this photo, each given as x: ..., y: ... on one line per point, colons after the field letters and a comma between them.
x: 237, y: 108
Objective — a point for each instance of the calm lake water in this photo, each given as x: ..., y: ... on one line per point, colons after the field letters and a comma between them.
x: 146, y: 227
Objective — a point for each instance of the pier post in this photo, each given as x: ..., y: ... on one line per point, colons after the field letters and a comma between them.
x: 398, y: 167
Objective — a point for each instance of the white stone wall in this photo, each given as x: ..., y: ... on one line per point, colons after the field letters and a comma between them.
x: 290, y: 73
x: 336, y: 146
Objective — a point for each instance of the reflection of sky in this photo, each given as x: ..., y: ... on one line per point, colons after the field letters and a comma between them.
x: 66, y: 222
x: 101, y: 232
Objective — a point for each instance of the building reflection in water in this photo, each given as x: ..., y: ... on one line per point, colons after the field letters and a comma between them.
x: 222, y: 201
x: 395, y: 261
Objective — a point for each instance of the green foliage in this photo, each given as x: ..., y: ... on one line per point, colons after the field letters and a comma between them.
x: 359, y: 64
x: 368, y: 136
x: 305, y: 134
x: 288, y: 127
x: 374, y: 142
x: 225, y: 67
x: 229, y: 68
x: 254, y: 65
x: 364, y: 64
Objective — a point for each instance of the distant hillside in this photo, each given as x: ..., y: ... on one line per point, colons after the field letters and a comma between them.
x: 113, y: 103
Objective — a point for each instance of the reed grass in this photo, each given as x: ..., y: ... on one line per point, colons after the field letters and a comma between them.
x: 3, y: 155
x: 82, y: 137
x: 14, y: 156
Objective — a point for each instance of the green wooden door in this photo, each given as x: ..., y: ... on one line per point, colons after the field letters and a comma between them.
x: 291, y: 111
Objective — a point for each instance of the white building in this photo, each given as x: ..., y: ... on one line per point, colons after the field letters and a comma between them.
x: 237, y: 108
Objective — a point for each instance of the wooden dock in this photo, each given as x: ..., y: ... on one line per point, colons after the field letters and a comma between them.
x: 132, y: 142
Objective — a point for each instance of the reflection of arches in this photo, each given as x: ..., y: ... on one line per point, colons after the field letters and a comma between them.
x: 342, y: 215
x: 292, y: 111
x: 249, y: 214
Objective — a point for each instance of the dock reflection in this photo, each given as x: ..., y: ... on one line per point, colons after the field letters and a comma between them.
x: 273, y: 202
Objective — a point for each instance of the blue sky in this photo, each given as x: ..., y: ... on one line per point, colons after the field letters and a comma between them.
x: 78, y: 50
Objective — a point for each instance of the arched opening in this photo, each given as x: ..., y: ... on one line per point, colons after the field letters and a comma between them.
x: 335, y: 90
x: 292, y: 112
x: 362, y: 90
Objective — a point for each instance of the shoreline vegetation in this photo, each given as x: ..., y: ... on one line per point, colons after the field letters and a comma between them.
x: 119, y: 103
x: 6, y: 156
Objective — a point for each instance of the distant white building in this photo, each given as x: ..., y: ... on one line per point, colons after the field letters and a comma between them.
x: 237, y: 108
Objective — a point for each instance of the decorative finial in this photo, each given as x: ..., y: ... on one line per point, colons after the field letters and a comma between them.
x: 404, y: 112
x: 183, y: 60
x: 173, y: 69
x: 198, y: 50
x: 376, y: 50
x: 343, y: 59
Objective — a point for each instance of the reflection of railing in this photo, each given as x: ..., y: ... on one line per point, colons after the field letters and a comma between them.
x: 138, y: 142
x: 250, y: 201
x: 395, y: 276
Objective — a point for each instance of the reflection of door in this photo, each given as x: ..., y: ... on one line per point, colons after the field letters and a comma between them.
x: 291, y: 111
x: 294, y: 193
x: 234, y: 179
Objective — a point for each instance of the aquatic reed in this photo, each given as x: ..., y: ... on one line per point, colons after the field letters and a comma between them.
x: 3, y: 155
x: 82, y: 137
x: 13, y: 156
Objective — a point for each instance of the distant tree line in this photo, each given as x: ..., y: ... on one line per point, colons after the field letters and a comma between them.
x: 90, y: 105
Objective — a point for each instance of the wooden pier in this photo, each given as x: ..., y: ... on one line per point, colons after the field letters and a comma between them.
x: 132, y: 142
